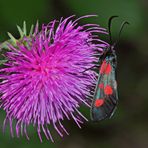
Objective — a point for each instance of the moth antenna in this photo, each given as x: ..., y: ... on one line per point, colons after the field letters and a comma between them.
x: 109, y: 27
x: 120, y: 31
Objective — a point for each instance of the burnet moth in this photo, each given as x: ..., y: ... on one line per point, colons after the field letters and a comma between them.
x: 105, y: 98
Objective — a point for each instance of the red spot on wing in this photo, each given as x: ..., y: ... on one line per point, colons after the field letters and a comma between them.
x: 108, y: 69
x: 108, y: 90
x: 105, y: 68
x: 99, y: 102
x: 101, y: 85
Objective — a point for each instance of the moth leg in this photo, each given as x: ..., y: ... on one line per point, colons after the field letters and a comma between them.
x: 91, y: 68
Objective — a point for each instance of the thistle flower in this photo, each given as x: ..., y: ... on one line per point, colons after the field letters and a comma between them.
x: 42, y: 81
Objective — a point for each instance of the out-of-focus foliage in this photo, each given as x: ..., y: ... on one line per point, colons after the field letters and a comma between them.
x: 129, y: 126
x: 14, y: 12
x: 126, y: 10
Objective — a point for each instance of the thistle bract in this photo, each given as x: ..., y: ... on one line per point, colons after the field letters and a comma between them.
x: 42, y: 81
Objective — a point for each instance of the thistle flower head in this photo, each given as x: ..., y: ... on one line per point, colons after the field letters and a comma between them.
x: 43, y: 82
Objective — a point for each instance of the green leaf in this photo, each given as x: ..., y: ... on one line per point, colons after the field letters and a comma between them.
x: 2, y: 61
x: 24, y: 28
x: 20, y: 31
x: 12, y: 37
x: 4, y: 45
x: 31, y: 30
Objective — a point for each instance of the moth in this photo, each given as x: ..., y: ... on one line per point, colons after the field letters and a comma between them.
x: 105, y: 98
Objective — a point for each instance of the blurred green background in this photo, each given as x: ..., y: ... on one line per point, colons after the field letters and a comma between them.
x: 129, y: 126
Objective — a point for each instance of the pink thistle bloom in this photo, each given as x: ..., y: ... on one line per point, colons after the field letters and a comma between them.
x: 43, y: 82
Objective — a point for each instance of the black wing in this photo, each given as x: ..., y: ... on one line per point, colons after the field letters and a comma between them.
x: 106, y: 97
